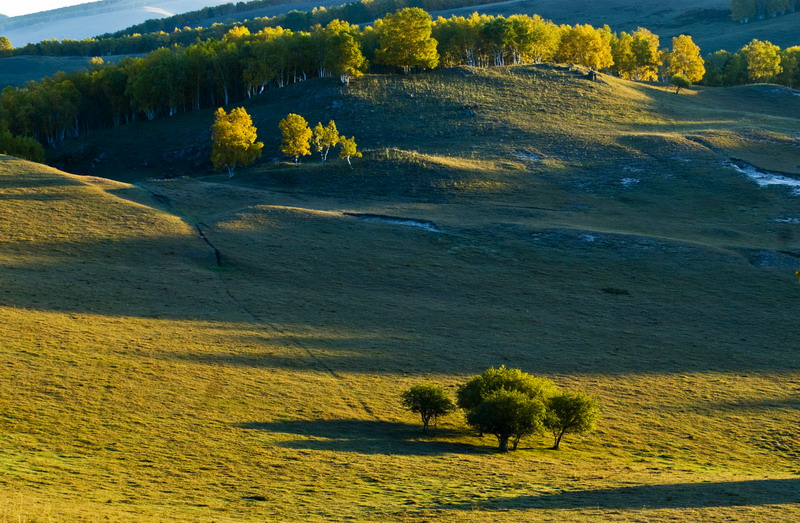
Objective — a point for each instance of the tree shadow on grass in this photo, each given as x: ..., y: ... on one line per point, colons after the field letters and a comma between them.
x: 367, y: 437
x: 674, y: 496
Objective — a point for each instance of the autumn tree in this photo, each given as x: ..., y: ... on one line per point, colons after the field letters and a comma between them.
x: 587, y: 46
x: 323, y: 138
x: 405, y: 40
x: 348, y: 149
x: 790, y: 63
x: 5, y: 46
x: 295, y: 137
x: 428, y: 400
x: 571, y: 413
x: 763, y: 60
x: 345, y: 59
x: 685, y: 59
x: 234, y: 140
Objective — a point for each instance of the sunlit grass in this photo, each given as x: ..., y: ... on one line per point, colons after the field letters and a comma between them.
x: 141, y: 381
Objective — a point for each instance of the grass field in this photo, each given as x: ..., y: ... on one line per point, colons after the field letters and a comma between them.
x: 143, y: 381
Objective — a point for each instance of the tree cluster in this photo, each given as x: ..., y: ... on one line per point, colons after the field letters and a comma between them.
x: 298, y: 139
x: 746, y: 10
x: 757, y: 62
x: 509, y: 404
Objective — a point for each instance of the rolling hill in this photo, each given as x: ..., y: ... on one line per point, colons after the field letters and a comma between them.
x: 91, y: 19
x: 603, y: 234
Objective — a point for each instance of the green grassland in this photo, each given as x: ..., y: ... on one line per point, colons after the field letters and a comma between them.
x: 143, y: 381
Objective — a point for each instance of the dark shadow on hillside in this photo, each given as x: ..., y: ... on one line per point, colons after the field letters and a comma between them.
x: 675, y: 496
x: 765, y: 404
x: 366, y: 437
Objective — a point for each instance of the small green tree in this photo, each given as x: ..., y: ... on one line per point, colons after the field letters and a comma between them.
x: 571, y: 412
x: 296, y: 137
x: 763, y: 60
x: 349, y: 149
x: 429, y: 401
x: 680, y: 82
x: 324, y: 138
x: 508, y: 414
x: 234, y: 140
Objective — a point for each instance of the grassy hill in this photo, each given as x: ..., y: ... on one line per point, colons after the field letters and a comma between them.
x: 589, y: 232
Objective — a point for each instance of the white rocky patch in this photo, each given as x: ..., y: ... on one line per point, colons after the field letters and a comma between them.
x: 764, y: 179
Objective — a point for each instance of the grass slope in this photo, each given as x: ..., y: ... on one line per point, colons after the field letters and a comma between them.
x: 141, y: 380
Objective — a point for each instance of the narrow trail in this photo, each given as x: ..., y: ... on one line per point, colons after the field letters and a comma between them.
x: 348, y: 399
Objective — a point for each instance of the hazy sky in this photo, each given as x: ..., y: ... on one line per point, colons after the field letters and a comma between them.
x: 23, y: 7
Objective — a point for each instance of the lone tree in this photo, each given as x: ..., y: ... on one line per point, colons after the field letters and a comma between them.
x: 348, y: 149
x: 234, y: 140
x: 680, y: 82
x: 428, y: 400
x: 324, y: 138
x: 295, y: 137
x: 572, y: 413
x: 508, y: 414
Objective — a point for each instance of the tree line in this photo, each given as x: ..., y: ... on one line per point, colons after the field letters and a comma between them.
x: 757, y: 62
x: 509, y: 404
x: 241, y: 65
x: 165, y: 32
x: 746, y: 10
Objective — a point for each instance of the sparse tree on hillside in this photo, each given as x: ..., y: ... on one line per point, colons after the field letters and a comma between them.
x: 680, y: 82
x: 743, y: 10
x: 296, y: 137
x: 685, y: 59
x: 571, y: 413
x: 349, y: 149
x: 324, y: 138
x: 234, y: 140
x: 405, y: 40
x: 5, y: 46
x: 508, y: 414
x: 763, y: 60
x: 429, y: 401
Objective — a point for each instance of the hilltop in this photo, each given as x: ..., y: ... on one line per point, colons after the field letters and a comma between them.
x: 592, y: 232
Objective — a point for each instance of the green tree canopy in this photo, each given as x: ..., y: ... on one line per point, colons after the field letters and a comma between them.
x: 509, y: 415
x: 429, y: 401
x: 685, y: 59
x: 405, y: 40
x: 763, y: 60
x: 234, y: 140
x: 478, y: 388
x: 571, y: 413
x: 295, y: 137
x: 680, y: 82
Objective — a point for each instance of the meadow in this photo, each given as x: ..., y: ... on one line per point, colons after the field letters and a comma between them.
x: 590, y: 232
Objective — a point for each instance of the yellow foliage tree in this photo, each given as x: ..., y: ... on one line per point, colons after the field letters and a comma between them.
x: 685, y: 59
x: 349, y: 149
x: 234, y: 140
x: 296, y: 137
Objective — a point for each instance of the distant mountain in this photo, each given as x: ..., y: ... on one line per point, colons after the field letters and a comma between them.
x: 91, y: 19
